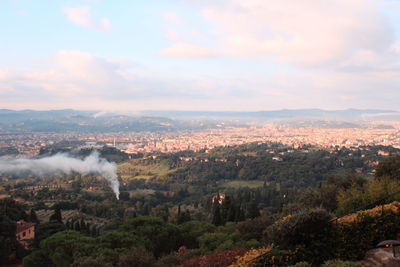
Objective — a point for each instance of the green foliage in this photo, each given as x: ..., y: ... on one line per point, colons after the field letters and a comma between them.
x: 120, y: 239
x: 56, y: 215
x: 311, y: 230
x: 192, y: 230
x: 339, y: 263
x: 224, y: 238
x: 33, y: 216
x: 5, y: 249
x: 137, y: 257
x: 164, y: 237
x: 61, y: 249
x: 217, y: 218
x: 12, y: 209
x: 37, y: 258
x: 278, y: 258
x: 253, y: 211
x: 355, y: 238
x: 301, y: 264
x: 90, y: 262
x: 357, y: 197
x: 64, y: 246
x: 253, y: 228
x: 389, y: 167
x: 45, y: 230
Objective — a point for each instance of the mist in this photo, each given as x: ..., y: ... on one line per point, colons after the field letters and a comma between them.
x: 66, y: 164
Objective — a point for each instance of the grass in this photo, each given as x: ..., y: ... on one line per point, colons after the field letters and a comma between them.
x: 139, y: 169
x: 141, y: 192
x: 242, y: 183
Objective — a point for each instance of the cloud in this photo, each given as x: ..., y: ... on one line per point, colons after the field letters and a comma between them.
x: 187, y: 50
x: 81, y: 16
x: 4, y: 74
x: 172, y: 36
x: 304, y: 32
x: 105, y: 24
x: 82, y: 80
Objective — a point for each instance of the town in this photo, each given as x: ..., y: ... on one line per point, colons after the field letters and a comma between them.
x: 28, y: 145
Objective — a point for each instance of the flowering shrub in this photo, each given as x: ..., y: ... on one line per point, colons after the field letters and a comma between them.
x: 247, y: 259
x: 375, y: 212
x: 220, y: 259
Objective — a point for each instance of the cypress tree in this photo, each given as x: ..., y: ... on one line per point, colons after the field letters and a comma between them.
x: 33, y: 217
x: 56, y: 215
x: 217, y: 220
x: 253, y: 211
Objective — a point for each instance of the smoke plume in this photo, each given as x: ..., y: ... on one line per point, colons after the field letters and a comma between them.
x: 63, y: 163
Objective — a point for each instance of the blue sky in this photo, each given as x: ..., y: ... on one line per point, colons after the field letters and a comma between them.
x: 199, y: 54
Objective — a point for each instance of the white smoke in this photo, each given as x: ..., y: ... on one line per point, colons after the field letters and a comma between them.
x: 63, y: 163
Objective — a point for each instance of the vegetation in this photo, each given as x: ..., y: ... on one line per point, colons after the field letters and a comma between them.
x: 232, y: 206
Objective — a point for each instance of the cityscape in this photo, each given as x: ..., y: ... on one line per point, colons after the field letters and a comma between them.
x: 29, y: 145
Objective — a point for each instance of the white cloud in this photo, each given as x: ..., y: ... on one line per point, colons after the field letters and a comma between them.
x: 4, y: 74
x: 305, y: 32
x: 82, y: 17
x: 172, y: 36
x: 105, y: 24
x: 79, y: 15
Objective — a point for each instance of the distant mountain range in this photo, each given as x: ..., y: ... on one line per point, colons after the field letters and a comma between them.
x: 347, y: 114
x: 156, y: 121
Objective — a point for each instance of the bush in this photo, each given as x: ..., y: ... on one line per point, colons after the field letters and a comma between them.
x: 137, y: 257
x: 301, y: 264
x: 312, y: 231
x: 220, y: 259
x: 339, y: 263
x: 352, y: 241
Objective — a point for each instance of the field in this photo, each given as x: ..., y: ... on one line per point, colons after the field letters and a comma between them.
x: 242, y: 183
x: 139, y: 169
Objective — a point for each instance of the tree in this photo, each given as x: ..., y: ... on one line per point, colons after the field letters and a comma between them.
x: 45, y: 230
x: 389, y: 167
x: 192, y: 230
x: 311, y: 230
x: 136, y: 257
x: 61, y: 249
x: 216, y: 219
x: 56, y: 215
x: 253, y: 211
x: 7, y: 237
x: 33, y: 216
x: 160, y: 237
x: 91, y: 262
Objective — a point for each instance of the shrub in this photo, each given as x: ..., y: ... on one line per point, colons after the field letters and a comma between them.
x: 301, y: 264
x: 312, y: 231
x: 339, y: 263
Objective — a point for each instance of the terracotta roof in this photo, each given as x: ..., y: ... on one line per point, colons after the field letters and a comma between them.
x: 22, y: 226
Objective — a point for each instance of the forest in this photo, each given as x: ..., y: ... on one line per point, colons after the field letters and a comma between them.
x: 248, y: 205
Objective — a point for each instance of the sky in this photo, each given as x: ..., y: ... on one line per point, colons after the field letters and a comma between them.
x: 199, y: 54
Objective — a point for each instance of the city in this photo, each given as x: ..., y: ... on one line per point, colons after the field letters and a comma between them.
x: 30, y: 144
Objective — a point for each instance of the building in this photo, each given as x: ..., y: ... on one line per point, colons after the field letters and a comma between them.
x: 25, y: 232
